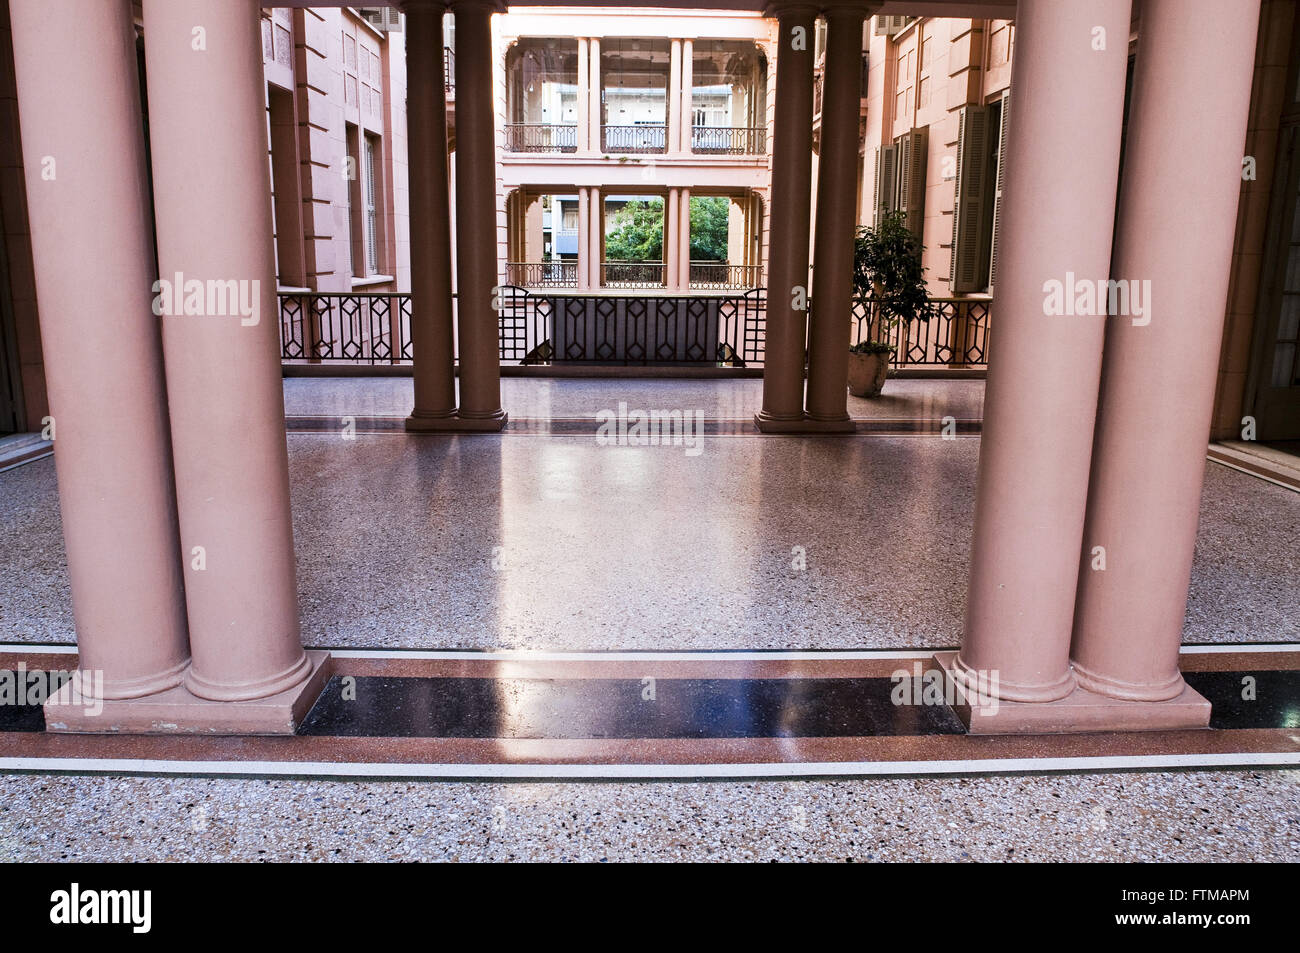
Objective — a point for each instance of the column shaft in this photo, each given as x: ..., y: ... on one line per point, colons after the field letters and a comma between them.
x: 476, y: 216
x: 431, y: 312
x: 1041, y: 397
x: 675, y: 97
x: 593, y: 105
x: 207, y: 117
x: 684, y: 238
x: 584, y: 239
x: 787, y: 271
x: 596, y: 236
x: 683, y: 103
x: 837, y: 178
x: 1174, y: 242
x: 671, y: 234
x: 87, y: 198
x: 584, y: 96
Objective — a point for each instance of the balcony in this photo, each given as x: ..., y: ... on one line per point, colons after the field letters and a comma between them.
x: 633, y: 274
x: 647, y: 138
x: 542, y: 274
x: 541, y: 137
x: 720, y: 276
x: 729, y: 140
x: 547, y: 323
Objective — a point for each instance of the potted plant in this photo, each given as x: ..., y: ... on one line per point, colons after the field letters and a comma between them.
x: 887, y: 270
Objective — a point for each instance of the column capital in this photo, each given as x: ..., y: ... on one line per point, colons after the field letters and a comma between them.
x: 791, y: 8
x: 491, y: 6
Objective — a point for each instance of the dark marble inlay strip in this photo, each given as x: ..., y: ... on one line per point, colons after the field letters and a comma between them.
x: 1250, y: 699
x: 620, y: 708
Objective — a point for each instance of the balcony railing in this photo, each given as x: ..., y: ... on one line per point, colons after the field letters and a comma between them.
x: 956, y: 335
x: 557, y: 326
x: 541, y: 137
x: 345, y: 328
x: 449, y: 68
x: 720, y: 275
x: 633, y: 274
x: 664, y: 328
x: 729, y: 141
x: 634, y: 139
x: 542, y: 274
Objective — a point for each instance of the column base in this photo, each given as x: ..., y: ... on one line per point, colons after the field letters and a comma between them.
x: 176, y: 711
x: 797, y: 425
x: 1079, y: 711
x: 457, y: 424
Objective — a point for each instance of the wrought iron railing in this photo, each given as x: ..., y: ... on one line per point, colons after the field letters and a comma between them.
x: 634, y: 139
x: 720, y: 275
x: 956, y: 334
x: 729, y: 141
x: 546, y: 326
x: 633, y: 274
x: 560, y: 328
x: 370, y: 328
x: 542, y: 274
x: 541, y: 137
x: 449, y: 68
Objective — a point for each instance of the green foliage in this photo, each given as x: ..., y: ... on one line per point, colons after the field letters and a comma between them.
x: 887, y: 268
x: 636, y: 232
x: 709, y: 221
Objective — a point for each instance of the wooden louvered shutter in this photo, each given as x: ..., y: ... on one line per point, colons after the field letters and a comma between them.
x: 911, y: 179
x: 886, y: 182
x: 970, y: 248
x: 997, y: 193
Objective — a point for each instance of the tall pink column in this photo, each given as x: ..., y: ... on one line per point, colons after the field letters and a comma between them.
x: 476, y: 219
x: 584, y: 242
x: 683, y: 239
x: 207, y: 117
x: 672, y: 234
x: 791, y: 211
x: 431, y: 312
x: 1177, y: 216
x: 1041, y: 397
x: 83, y: 153
x: 837, y: 181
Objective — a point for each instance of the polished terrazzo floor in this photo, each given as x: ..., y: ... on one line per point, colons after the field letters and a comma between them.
x: 531, y: 541
x: 1248, y: 816
x: 550, y: 542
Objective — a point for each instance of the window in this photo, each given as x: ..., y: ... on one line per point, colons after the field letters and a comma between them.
x: 981, y: 139
x: 372, y: 217
x: 900, y: 178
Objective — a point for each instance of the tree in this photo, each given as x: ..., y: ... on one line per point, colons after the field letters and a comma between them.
x: 637, y: 232
x: 709, y: 227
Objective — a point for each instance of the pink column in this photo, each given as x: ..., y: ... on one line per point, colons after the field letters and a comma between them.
x: 837, y: 182
x: 1177, y: 215
x: 683, y: 239
x: 787, y: 269
x: 671, y: 239
x: 476, y: 219
x: 594, y: 117
x: 584, y: 97
x: 83, y: 153
x: 595, y: 237
x: 431, y: 312
x: 1041, y: 398
x: 584, y: 242
x: 687, y: 123
x: 207, y: 123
